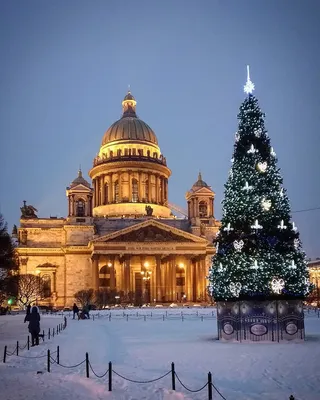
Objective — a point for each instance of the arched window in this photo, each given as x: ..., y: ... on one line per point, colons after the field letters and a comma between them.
x: 116, y: 191
x: 80, y: 208
x: 203, y: 209
x: 106, y: 194
x: 46, y: 286
x: 146, y: 190
x: 135, y: 193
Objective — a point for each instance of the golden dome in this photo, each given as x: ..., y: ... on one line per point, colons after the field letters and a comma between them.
x: 129, y: 126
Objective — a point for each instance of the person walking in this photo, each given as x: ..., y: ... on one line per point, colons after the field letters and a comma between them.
x: 34, y: 325
x: 28, y: 309
x: 75, y: 311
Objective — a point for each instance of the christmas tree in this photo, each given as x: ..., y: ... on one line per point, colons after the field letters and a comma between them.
x: 258, y: 250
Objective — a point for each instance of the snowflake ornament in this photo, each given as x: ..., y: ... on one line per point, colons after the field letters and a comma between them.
x: 247, y: 187
x: 272, y: 152
x: 277, y: 285
x: 294, y: 228
x: 282, y: 226
x: 236, y: 137
x: 266, y: 204
x: 281, y: 192
x: 256, y: 225
x: 235, y: 288
x: 220, y: 268
x: 255, y: 265
x: 262, y: 166
x: 296, y: 243
x: 238, y: 245
x: 252, y: 149
x: 228, y: 228
x: 292, y: 265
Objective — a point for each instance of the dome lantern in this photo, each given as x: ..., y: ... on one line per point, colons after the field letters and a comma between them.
x: 129, y: 106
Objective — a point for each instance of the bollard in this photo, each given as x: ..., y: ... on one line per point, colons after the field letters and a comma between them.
x: 162, y: 317
x: 28, y: 343
x: 48, y: 360
x: 127, y: 317
x: 58, y: 355
x: 110, y: 317
x: 17, y: 348
x: 5, y: 354
x: 43, y: 335
x: 209, y: 386
x: 202, y: 318
x: 110, y: 377
x: 49, y: 334
x: 65, y: 322
x: 173, y: 376
x: 144, y: 317
x: 87, y: 365
x: 92, y: 317
x: 182, y: 318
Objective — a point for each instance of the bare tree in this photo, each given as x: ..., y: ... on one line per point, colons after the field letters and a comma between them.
x: 30, y: 288
x: 84, y: 297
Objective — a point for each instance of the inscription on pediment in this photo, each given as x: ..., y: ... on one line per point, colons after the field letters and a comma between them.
x: 150, y: 234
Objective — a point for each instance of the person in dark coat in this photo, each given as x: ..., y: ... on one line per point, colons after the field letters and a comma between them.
x: 28, y: 309
x: 34, y: 325
x: 75, y: 310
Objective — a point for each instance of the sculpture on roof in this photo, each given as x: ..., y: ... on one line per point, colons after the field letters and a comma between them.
x: 28, y: 211
x: 149, y: 211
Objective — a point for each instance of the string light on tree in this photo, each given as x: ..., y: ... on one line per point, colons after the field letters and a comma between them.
x: 294, y: 228
x: 282, y: 226
x: 296, y: 243
x: 255, y: 265
x: 281, y: 193
x: 266, y: 204
x: 277, y: 285
x: 236, y: 137
x: 258, y: 132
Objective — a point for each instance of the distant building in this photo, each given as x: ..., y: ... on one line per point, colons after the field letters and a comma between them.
x: 120, y: 232
x: 314, y: 272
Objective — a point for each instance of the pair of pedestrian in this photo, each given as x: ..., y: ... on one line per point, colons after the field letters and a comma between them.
x: 33, y: 317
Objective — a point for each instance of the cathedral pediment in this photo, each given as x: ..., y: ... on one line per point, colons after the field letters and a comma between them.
x: 150, y: 231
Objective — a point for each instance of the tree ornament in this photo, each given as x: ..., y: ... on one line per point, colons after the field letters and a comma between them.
x: 228, y: 228
x: 237, y: 137
x: 232, y: 160
x: 231, y: 173
x: 256, y: 225
x: 294, y: 228
x: 277, y: 285
x: 217, y: 247
x: 282, y: 226
x: 258, y: 132
x: 281, y: 192
x: 292, y: 265
x: 266, y: 204
x: 238, y: 245
x: 296, y: 243
x: 262, y: 166
x: 220, y: 268
x: 249, y: 86
x: 255, y: 265
x: 247, y: 187
x: 235, y: 288
x: 272, y: 152
x: 252, y: 150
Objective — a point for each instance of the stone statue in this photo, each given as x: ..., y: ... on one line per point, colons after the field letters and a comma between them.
x: 23, y: 239
x: 28, y: 211
x: 149, y: 211
x: 14, y: 230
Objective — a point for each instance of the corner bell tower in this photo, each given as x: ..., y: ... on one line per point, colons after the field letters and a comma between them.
x: 80, y: 196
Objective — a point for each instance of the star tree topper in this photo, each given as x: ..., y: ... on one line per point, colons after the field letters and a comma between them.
x: 249, y: 86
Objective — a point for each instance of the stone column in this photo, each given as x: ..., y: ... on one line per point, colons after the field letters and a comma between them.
x: 54, y: 279
x: 127, y: 273
x: 194, y: 281
x: 157, y: 189
x: 103, y: 193
x: 130, y: 185
x: 111, y: 200
x: 112, y: 276
x: 158, y: 279
x: 140, y: 186
x: 173, y: 279
x: 120, y: 186
x: 204, y: 280
x: 95, y: 271
x: 149, y: 188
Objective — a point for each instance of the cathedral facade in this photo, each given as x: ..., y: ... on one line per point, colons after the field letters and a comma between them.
x: 120, y: 233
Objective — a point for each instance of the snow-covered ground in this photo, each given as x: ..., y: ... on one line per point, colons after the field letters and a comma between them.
x: 142, y: 348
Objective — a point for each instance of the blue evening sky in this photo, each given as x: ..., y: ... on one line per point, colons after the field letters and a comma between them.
x: 65, y: 66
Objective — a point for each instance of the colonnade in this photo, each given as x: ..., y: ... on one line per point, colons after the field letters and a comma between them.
x: 121, y: 187
x: 167, y: 278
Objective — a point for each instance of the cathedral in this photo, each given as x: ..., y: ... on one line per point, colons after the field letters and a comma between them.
x: 121, y: 233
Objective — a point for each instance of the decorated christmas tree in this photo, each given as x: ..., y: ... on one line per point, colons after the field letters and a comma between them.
x: 259, y: 254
